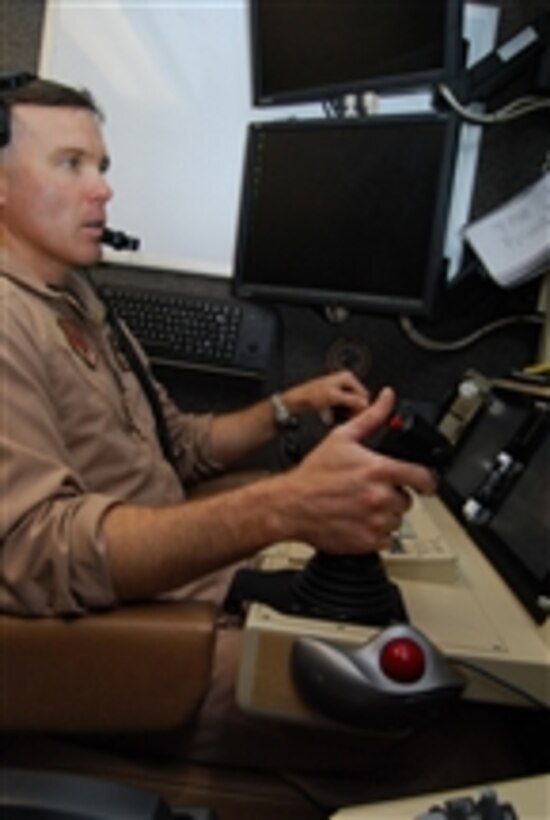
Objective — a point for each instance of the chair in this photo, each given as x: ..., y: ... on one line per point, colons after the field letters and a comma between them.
x: 127, y: 670
x: 67, y: 685
x: 28, y: 795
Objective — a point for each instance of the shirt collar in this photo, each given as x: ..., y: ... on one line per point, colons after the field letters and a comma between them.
x: 76, y: 290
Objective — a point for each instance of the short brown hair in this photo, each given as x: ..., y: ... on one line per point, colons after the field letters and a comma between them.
x: 51, y: 94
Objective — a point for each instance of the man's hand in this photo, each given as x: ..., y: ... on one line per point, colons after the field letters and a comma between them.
x: 235, y: 435
x: 336, y: 390
x: 350, y: 499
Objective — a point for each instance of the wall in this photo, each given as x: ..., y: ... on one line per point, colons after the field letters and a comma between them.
x: 173, y: 83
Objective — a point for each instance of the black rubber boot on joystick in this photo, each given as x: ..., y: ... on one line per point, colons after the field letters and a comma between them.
x: 349, y: 588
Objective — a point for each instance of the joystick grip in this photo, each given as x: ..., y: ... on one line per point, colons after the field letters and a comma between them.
x: 352, y: 588
x: 410, y: 437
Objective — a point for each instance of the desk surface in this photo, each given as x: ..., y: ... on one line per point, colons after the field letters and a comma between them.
x: 530, y: 797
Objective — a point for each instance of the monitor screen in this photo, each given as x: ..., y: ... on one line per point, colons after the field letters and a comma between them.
x: 346, y: 212
x: 305, y: 50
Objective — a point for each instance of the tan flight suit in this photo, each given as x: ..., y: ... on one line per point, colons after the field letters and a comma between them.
x: 76, y: 437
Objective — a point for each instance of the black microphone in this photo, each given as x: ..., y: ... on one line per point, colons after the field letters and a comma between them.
x: 119, y: 240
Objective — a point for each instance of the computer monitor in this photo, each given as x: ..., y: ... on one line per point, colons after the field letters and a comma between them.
x: 304, y: 50
x: 347, y: 212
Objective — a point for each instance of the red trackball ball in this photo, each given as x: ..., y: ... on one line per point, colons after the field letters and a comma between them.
x: 403, y: 660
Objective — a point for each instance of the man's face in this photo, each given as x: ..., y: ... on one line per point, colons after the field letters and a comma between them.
x: 53, y: 192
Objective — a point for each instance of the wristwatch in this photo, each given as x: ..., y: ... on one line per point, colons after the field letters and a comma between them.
x: 282, y: 416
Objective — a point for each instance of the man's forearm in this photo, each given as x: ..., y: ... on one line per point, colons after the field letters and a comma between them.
x: 235, y: 435
x: 153, y: 550
x: 342, y: 498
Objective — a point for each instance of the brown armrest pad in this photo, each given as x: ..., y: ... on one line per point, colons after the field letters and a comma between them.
x: 138, y: 668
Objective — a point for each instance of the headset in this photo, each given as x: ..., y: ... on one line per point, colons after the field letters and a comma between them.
x: 8, y: 82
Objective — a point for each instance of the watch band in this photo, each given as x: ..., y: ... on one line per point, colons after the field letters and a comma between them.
x: 281, y: 414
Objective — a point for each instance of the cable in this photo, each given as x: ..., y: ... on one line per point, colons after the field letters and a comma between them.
x: 436, y: 346
x: 517, y: 108
x: 505, y: 684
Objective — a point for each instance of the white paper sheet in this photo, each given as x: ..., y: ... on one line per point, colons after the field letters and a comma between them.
x: 513, y: 241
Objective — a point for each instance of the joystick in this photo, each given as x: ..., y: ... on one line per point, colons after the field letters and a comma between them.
x: 356, y: 588
x: 408, y: 436
x: 347, y: 588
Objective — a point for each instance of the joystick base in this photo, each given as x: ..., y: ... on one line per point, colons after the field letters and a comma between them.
x: 350, y: 589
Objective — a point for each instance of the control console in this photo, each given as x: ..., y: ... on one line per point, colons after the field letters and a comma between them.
x: 470, y: 611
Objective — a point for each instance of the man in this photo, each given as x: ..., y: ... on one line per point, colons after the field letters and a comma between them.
x: 92, y: 513
x: 113, y: 505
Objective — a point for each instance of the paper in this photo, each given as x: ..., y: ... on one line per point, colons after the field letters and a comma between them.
x: 513, y: 241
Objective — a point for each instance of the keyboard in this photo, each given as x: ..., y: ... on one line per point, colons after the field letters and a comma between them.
x: 179, y: 330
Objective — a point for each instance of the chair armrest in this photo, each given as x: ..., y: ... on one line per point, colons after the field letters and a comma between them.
x: 137, y: 668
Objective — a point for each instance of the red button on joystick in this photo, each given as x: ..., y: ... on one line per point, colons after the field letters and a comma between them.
x: 396, y: 423
x: 403, y: 660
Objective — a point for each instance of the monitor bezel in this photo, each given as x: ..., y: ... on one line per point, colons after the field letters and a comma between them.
x: 453, y: 64
x: 390, y: 304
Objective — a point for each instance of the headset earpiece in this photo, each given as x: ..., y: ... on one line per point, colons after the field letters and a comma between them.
x: 4, y: 125
x: 7, y: 83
